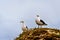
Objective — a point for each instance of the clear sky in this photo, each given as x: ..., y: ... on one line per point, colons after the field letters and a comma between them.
x: 13, y: 11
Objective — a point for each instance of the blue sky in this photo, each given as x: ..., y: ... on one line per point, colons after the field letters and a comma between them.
x: 13, y: 11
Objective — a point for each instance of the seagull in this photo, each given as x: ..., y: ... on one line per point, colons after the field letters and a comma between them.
x: 39, y: 22
x: 24, y: 27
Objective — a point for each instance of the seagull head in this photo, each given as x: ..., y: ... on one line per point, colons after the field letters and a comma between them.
x: 37, y: 15
x: 21, y: 21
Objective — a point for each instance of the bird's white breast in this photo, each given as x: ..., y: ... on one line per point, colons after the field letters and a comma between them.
x: 38, y: 20
x: 24, y: 27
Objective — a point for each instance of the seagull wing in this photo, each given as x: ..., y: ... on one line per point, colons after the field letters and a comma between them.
x: 26, y: 27
x: 42, y: 21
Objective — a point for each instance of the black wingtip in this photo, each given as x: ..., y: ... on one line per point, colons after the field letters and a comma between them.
x: 45, y: 24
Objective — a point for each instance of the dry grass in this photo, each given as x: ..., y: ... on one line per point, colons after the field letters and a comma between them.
x: 40, y: 34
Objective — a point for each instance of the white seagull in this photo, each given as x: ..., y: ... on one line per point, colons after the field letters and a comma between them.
x: 24, y: 27
x: 39, y: 22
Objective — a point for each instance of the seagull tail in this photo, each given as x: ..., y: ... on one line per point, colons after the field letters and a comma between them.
x: 45, y: 24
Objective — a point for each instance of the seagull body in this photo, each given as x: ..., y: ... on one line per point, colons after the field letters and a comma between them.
x: 24, y: 27
x: 40, y: 22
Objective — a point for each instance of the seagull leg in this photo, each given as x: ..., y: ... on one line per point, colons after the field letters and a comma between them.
x: 38, y: 26
x: 41, y: 26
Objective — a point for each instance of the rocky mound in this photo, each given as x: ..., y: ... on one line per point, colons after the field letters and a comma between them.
x: 40, y: 34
